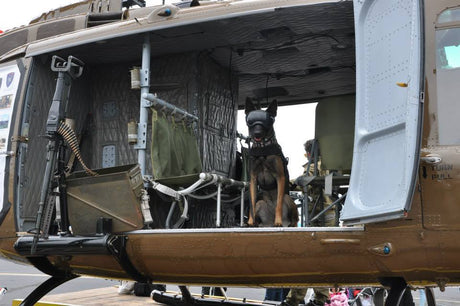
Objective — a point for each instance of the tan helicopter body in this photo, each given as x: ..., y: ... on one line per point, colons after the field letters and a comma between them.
x: 385, y: 80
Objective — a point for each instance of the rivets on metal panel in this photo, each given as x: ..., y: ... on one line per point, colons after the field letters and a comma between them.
x: 386, y: 250
x: 167, y: 12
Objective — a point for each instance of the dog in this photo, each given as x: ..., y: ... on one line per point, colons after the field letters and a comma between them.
x: 272, y: 206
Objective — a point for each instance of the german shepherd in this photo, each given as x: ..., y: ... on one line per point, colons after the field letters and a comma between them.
x: 272, y: 206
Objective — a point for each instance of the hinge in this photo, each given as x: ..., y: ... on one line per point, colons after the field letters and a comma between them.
x: 20, y: 138
x: 422, y: 97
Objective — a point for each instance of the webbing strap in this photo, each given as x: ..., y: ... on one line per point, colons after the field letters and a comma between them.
x: 165, y: 190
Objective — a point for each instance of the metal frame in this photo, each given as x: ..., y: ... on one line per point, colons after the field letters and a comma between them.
x: 164, y: 106
x: 204, y: 180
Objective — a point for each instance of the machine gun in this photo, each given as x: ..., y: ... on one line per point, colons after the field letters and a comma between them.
x: 53, y: 185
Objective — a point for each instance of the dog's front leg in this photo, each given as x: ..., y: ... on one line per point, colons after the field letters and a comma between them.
x: 280, y: 177
x: 281, y: 183
x: 253, y: 194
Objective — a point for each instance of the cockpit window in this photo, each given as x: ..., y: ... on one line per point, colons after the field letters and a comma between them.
x: 448, y: 48
x: 449, y: 15
x: 447, y: 76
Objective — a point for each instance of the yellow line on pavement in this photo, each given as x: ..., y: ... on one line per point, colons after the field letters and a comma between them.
x: 18, y: 302
x: 35, y: 275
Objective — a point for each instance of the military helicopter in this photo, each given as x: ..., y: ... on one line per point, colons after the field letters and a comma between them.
x: 118, y: 141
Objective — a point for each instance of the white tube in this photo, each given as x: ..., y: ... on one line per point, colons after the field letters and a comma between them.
x: 242, y: 208
x: 185, y: 213
x: 203, y: 178
x: 219, y: 189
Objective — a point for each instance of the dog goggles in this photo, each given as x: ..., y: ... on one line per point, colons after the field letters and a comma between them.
x: 259, y: 117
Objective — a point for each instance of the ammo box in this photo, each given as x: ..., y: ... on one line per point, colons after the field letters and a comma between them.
x: 113, y: 194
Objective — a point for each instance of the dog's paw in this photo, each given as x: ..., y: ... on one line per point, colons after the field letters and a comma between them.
x: 278, y: 222
x: 251, y: 222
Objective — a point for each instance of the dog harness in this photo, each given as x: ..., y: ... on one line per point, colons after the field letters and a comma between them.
x: 269, y: 147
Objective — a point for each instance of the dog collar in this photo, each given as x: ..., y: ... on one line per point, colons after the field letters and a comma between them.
x: 264, y: 143
x: 266, y: 150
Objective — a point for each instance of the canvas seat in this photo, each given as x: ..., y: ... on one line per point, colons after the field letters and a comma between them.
x: 177, y: 167
x: 333, y: 147
x: 174, y: 151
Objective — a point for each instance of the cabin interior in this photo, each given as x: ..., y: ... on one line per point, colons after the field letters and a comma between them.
x: 295, y: 55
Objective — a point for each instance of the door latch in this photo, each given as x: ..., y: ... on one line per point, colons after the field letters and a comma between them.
x: 431, y: 159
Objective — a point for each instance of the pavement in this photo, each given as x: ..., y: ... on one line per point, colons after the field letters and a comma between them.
x: 20, y: 280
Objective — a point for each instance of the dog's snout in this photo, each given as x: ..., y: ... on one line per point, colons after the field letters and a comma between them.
x: 258, y: 132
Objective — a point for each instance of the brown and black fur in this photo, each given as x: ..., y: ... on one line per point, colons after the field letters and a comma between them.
x: 269, y: 180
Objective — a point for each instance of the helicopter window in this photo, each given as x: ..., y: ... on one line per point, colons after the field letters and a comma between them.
x: 449, y: 15
x: 448, y: 49
x: 453, y: 56
x: 447, y: 75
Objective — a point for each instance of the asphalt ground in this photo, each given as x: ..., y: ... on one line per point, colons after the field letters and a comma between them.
x: 20, y: 280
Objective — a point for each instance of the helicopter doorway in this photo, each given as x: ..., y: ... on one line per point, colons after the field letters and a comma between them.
x: 389, y: 75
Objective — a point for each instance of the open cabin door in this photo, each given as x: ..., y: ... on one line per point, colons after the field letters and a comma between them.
x: 10, y: 76
x: 389, y: 75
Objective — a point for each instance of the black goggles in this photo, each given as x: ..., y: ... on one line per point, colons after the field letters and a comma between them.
x: 259, y: 117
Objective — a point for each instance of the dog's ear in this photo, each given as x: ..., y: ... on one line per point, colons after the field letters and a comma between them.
x: 249, y: 107
x: 272, y: 108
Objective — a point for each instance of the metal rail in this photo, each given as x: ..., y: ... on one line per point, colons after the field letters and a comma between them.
x: 204, y: 180
x: 173, y: 110
x: 141, y: 144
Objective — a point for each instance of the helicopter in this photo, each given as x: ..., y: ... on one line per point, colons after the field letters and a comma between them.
x: 119, y: 146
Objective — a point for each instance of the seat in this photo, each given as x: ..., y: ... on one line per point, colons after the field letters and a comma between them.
x: 334, y: 130
x: 176, y: 163
x: 174, y: 150
x: 334, y: 134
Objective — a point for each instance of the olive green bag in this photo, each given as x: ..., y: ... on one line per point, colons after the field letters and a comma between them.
x: 174, y: 149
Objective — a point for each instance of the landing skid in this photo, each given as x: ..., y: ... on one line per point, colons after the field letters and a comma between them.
x: 44, y: 288
x: 186, y: 298
x: 379, y: 297
x: 430, y: 300
x: 58, y: 278
x: 400, y: 293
